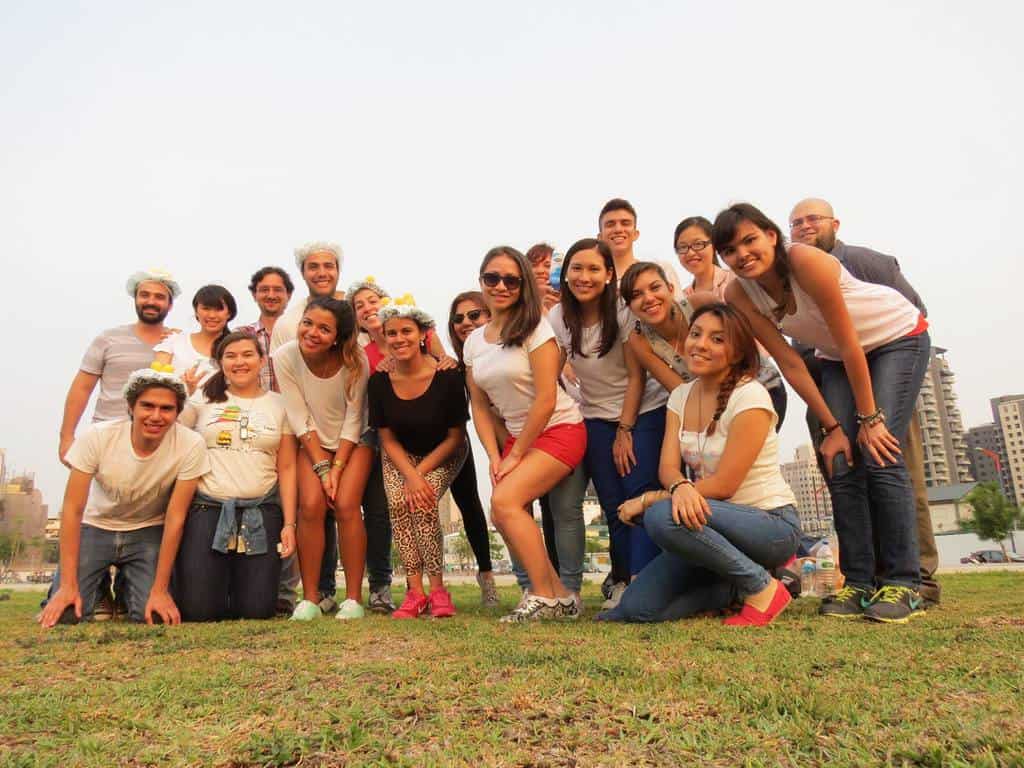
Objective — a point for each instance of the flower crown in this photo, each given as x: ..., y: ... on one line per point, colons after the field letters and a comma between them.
x: 318, y: 246
x: 369, y: 283
x: 152, y: 275
x: 157, y: 373
x: 404, y: 306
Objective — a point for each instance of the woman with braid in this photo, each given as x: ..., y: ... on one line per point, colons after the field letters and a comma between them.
x: 721, y: 533
x: 874, y: 346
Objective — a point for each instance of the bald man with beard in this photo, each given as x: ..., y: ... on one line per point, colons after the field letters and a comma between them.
x: 813, y: 222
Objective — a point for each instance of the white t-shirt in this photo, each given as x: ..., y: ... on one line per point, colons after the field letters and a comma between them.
x: 764, y: 486
x: 287, y: 326
x: 184, y: 356
x: 504, y: 373
x: 321, y: 404
x: 242, y: 436
x: 129, y: 491
x: 603, y: 380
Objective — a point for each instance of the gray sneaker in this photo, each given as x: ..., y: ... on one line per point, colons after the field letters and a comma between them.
x: 533, y: 608
x: 614, y: 595
x: 570, y: 608
x: 328, y: 604
x: 380, y: 600
x: 488, y: 589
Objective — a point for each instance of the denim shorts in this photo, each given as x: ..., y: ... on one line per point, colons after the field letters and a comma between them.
x: 370, y: 438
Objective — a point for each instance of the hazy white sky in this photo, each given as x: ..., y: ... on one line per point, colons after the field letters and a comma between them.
x: 212, y: 138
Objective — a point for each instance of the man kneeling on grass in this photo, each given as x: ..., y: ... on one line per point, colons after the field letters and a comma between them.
x: 125, y: 475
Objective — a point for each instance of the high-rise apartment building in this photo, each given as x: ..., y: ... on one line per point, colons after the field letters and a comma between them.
x: 812, y: 499
x: 985, y: 452
x: 1008, y: 413
x: 945, y: 451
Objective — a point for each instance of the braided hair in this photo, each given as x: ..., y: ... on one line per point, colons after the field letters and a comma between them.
x: 742, y: 348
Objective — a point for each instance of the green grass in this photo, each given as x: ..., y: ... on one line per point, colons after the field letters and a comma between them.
x: 945, y: 690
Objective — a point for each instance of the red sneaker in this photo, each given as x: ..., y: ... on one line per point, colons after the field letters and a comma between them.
x: 414, y: 605
x: 441, y: 605
x: 749, y: 616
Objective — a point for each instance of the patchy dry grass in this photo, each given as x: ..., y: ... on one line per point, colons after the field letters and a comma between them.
x: 946, y: 690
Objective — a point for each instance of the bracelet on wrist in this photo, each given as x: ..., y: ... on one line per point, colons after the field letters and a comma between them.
x: 677, y: 483
x: 291, y: 525
x: 623, y: 427
x: 871, y: 419
x: 826, y: 431
x: 338, y: 463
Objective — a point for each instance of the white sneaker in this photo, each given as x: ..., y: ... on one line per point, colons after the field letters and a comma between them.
x: 616, y: 595
x: 570, y: 607
x: 533, y: 608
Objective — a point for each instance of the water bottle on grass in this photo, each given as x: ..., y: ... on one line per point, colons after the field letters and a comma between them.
x: 807, y: 578
x: 826, y: 571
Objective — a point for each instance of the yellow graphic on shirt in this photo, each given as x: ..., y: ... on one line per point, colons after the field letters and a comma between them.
x: 229, y: 413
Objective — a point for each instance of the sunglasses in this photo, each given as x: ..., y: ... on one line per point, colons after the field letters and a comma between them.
x: 473, y: 315
x: 491, y: 280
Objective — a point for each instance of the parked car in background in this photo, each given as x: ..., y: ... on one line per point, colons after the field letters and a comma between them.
x: 983, y: 556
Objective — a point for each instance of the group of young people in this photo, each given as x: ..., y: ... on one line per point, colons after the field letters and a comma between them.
x: 252, y: 458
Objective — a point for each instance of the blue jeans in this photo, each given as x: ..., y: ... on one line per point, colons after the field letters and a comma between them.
x: 709, y: 569
x: 566, y: 501
x: 872, y: 503
x: 630, y: 547
x: 133, y: 552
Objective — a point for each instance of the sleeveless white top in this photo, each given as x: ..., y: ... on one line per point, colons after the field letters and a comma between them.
x: 879, y: 314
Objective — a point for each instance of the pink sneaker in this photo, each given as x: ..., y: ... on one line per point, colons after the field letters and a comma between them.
x: 441, y: 605
x: 414, y: 605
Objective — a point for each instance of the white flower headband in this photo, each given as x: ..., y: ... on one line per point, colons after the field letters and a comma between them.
x: 156, y: 374
x: 404, y: 306
x: 318, y: 246
x: 367, y: 284
x: 152, y: 276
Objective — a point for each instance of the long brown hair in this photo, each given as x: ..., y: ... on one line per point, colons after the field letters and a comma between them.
x: 724, y: 232
x: 525, y: 314
x: 741, y: 343
x: 477, y: 298
x: 346, y: 340
x: 215, y: 390
x: 608, y: 304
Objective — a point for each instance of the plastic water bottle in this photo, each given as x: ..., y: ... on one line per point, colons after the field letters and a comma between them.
x: 807, y: 578
x: 556, y: 271
x: 826, y: 579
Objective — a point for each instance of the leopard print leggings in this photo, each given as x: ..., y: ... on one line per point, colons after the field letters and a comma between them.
x: 417, y: 534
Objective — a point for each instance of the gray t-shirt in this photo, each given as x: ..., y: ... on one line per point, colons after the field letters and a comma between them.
x: 112, y: 356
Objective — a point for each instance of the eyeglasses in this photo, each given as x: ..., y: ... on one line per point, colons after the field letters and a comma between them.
x: 473, y: 315
x: 811, y: 220
x: 696, y: 246
x: 491, y: 280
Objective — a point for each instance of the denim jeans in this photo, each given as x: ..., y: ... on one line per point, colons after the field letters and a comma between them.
x: 631, y: 547
x: 133, y: 552
x: 566, y: 500
x: 327, y: 583
x: 210, y: 586
x: 709, y: 569
x: 873, y: 505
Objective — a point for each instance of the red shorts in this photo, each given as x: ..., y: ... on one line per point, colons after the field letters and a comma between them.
x: 565, y: 442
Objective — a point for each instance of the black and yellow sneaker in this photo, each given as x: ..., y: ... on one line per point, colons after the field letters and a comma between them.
x: 894, y: 605
x: 848, y: 603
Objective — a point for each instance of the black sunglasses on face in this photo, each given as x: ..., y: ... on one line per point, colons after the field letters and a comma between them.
x: 473, y: 315
x: 491, y: 280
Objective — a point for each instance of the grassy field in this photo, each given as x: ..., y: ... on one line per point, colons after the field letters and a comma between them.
x: 946, y: 690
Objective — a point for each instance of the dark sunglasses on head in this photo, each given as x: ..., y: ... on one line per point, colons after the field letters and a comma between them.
x: 473, y: 315
x: 491, y: 280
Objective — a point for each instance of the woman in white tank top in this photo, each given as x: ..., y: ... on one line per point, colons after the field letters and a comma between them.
x: 875, y: 348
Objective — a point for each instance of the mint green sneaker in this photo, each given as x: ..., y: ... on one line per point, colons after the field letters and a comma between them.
x: 350, y: 609
x: 306, y: 610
